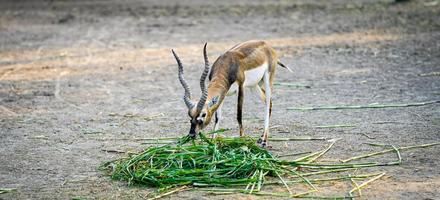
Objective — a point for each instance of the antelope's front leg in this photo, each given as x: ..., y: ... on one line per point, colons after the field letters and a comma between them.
x: 217, y: 118
x: 267, y: 87
x: 239, y: 108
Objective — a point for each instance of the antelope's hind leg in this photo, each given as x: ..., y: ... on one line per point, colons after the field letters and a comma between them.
x: 262, y: 94
x: 268, y: 94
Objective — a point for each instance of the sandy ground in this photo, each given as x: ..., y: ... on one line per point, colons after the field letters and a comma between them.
x: 80, y: 80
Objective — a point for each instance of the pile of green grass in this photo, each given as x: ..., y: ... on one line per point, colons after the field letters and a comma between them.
x: 238, y: 165
x: 221, y: 161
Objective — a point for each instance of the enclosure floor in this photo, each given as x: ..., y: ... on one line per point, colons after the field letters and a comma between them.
x: 81, y: 81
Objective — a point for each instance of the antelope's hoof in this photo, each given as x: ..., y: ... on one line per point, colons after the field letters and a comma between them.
x: 264, y: 145
x: 192, y: 136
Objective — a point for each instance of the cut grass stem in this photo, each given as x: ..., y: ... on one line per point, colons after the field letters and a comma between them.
x: 391, y: 105
x: 296, y: 85
x: 389, y: 150
x: 366, y: 183
x: 179, y: 189
x: 7, y: 190
x: 337, y: 126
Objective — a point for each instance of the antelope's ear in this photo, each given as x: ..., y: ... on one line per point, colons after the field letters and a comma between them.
x: 214, y: 101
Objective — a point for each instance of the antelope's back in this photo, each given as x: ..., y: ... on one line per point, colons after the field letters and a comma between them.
x: 255, y: 53
x: 243, y: 57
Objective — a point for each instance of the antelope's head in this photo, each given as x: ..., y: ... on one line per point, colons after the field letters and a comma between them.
x: 199, y: 111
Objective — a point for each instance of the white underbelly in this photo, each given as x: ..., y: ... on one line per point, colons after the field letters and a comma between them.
x: 251, y: 78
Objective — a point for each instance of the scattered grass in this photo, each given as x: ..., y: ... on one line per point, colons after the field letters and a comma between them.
x: 337, y: 126
x: 395, y: 105
x: 179, y: 189
x: 430, y: 74
x: 79, y: 198
x: 42, y: 137
x: 239, y: 165
x: 295, y: 85
x: 293, y: 154
x: 92, y: 132
x: 389, y: 150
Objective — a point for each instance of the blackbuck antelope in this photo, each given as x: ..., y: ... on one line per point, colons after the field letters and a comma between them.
x: 250, y: 64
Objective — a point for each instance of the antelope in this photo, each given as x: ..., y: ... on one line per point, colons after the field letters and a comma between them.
x: 249, y: 64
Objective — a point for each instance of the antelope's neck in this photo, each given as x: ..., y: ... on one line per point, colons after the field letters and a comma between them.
x: 223, y: 75
x: 218, y: 87
x: 217, y: 90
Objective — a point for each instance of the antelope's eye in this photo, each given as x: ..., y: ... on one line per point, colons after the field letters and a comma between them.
x: 204, y: 115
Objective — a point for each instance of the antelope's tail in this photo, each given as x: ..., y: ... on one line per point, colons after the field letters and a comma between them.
x: 284, y: 66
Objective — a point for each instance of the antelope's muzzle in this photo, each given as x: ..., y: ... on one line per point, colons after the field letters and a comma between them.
x: 192, y: 130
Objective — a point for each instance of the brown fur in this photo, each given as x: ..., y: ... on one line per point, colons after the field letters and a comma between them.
x: 230, y: 68
x: 248, y: 55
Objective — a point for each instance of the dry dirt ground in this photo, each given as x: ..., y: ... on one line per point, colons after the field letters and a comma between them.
x: 82, y: 80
